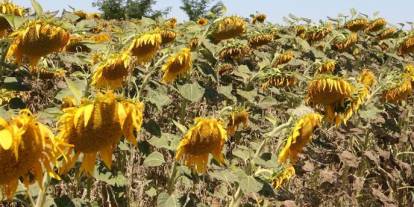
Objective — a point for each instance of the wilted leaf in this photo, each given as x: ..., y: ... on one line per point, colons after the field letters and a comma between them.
x: 155, y: 159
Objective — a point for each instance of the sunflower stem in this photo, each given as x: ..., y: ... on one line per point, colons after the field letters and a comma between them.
x: 148, y: 76
x: 171, y: 181
x: 29, y: 195
x: 42, y: 195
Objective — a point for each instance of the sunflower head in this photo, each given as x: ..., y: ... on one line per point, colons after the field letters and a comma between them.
x: 317, y: 33
x: 207, y: 136
x: 328, y: 66
x: 357, y: 24
x: 228, y: 28
x: 38, y: 38
x: 236, y: 118
x: 193, y: 44
x: 367, y: 78
x: 167, y: 36
x: 284, y: 58
x: 178, y: 64
x: 171, y: 23
x: 300, y: 31
x: 27, y: 148
x: 146, y: 46
x: 387, y: 33
x: 202, y: 21
x: 112, y: 72
x: 259, y: 18
x: 400, y: 89
x: 101, y: 37
x: 276, y: 78
x: 300, y: 136
x: 76, y: 44
x: 260, y: 39
x: 97, y: 126
x: 376, y: 24
x: 233, y: 50
x: 327, y: 90
x: 8, y: 8
x: 283, y: 176
x: 342, y: 43
x: 406, y: 46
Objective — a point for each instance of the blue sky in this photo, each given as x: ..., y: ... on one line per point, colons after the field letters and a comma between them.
x: 394, y: 10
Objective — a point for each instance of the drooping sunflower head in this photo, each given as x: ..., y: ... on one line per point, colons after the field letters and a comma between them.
x: 97, y: 126
x: 376, y: 25
x: 235, y: 119
x: 228, y: 28
x: 233, y: 50
x: 167, y: 36
x: 225, y: 68
x: 387, y: 33
x: 27, y: 149
x: 112, y: 72
x: 345, y: 41
x: 357, y: 24
x: 176, y: 65
x: 406, y: 46
x: 285, y: 174
x: 171, y: 23
x: 202, y: 21
x: 37, y: 39
x: 367, y: 78
x: 284, y: 58
x: 318, y: 33
x: 101, y: 37
x: 76, y: 44
x: 399, y: 89
x: 207, y: 136
x: 258, y: 40
x: 300, y: 31
x: 193, y: 44
x: 300, y: 136
x: 325, y: 90
x: 259, y: 18
x: 327, y: 66
x: 276, y: 78
x: 146, y: 46
x: 83, y: 15
x: 8, y: 8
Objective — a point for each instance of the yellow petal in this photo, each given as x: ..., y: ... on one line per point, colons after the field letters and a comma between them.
x: 88, y: 114
x: 6, y: 139
x: 106, y: 156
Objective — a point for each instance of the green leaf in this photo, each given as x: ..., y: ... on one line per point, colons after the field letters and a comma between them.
x: 181, y: 127
x: 76, y: 89
x: 159, y: 98
x: 37, y: 7
x: 249, y: 95
x: 155, y: 159
x: 192, y: 92
x: 151, y: 192
x: 165, y: 200
x: 14, y: 21
x: 249, y: 184
x: 226, y: 91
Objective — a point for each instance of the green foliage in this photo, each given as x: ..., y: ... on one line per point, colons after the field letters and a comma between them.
x: 197, y: 8
x: 125, y: 9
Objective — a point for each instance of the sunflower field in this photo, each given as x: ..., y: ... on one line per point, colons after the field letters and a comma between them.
x: 223, y: 111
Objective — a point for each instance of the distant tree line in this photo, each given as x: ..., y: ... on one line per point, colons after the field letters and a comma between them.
x: 126, y: 9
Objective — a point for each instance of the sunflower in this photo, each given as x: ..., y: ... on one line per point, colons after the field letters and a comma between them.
x: 101, y: 37
x: 284, y: 58
x: 47, y: 73
x: 301, y: 135
x: 328, y: 66
x: 167, y: 36
x: 68, y: 102
x: 8, y: 8
x: 376, y: 25
x: 387, y: 33
x: 27, y: 149
x: 233, y: 50
x: 206, y: 137
x: 407, y: 46
x: 341, y: 44
x: 317, y: 34
x: 357, y: 24
x: 228, y: 28
x: 38, y: 38
x: 282, y: 81
x: 171, y: 23
x: 112, y: 72
x: 260, y: 39
x: 97, y: 127
x: 76, y: 44
x: 237, y: 118
x: 399, y: 91
x: 146, y: 46
x: 259, y: 18
x: 225, y: 68
x: 193, y: 44
x: 326, y: 90
x: 177, y: 65
x: 300, y: 31
x: 367, y: 78
x: 283, y: 176
x: 83, y: 15
x: 202, y: 21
